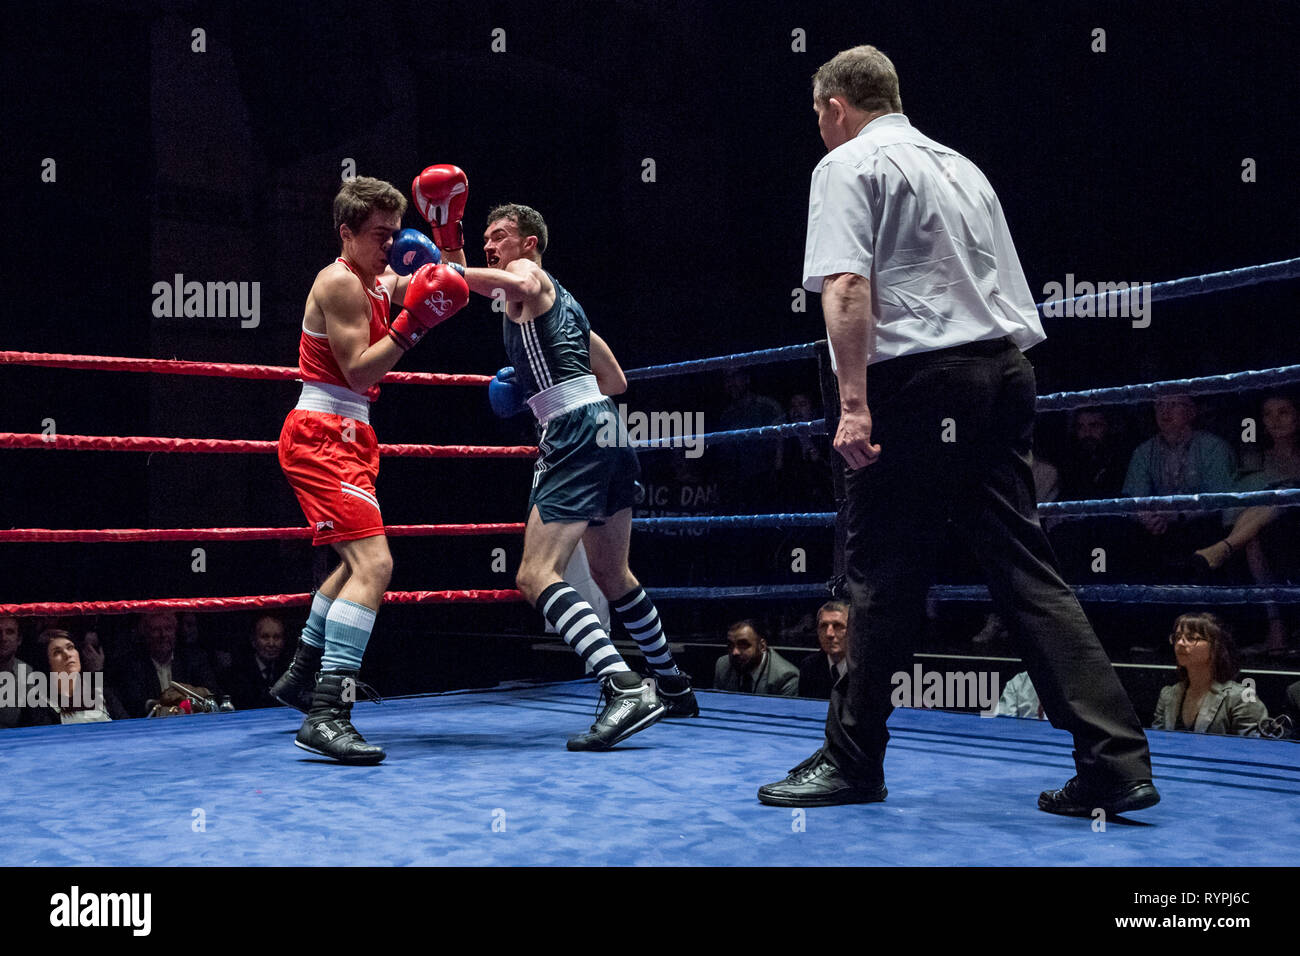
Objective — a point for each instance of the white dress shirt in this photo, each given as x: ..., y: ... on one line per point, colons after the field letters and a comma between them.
x: 924, y: 225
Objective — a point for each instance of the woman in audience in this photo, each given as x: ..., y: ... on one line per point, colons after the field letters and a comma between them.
x: 1207, y: 698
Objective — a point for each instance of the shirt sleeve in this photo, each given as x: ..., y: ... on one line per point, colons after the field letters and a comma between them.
x: 841, y: 224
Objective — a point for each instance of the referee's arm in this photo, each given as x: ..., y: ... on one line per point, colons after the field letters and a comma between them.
x: 846, y: 305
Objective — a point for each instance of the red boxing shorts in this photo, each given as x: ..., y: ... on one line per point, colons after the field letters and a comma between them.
x: 331, y: 463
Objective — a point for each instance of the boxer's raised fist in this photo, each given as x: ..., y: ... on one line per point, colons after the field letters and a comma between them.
x: 434, y: 294
x: 440, y: 193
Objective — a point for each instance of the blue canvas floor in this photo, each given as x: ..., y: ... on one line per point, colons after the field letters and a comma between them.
x: 962, y: 791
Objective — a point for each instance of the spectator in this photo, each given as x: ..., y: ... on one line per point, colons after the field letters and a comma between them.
x: 805, y: 462
x: 1265, y: 535
x: 819, y: 672
x: 1092, y: 467
x: 259, y: 665
x: 146, y: 676
x: 748, y: 468
x: 11, y: 638
x: 92, y: 652
x: 1179, y: 460
x: 1207, y: 698
x: 1020, y: 699
x: 752, y: 667
x: 70, y: 701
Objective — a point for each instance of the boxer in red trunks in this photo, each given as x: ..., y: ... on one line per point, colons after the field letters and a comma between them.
x: 328, y: 450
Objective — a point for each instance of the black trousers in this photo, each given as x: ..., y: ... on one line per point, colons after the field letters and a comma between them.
x: 955, y: 428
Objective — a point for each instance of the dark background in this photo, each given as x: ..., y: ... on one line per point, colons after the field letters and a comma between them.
x: 220, y: 165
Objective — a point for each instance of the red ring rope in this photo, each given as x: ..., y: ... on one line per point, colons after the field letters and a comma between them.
x: 88, y: 535
x: 62, y: 608
x: 109, y: 363
x: 227, y: 445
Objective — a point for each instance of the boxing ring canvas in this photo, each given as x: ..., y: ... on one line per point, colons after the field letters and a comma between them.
x: 483, y: 778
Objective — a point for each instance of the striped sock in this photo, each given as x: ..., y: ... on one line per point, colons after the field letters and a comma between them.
x: 347, y: 631
x: 638, y: 614
x: 313, y: 632
x: 576, y: 622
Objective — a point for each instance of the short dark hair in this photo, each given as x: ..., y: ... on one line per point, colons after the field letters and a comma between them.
x: 863, y: 76
x: 747, y: 623
x: 358, y: 198
x: 528, y: 219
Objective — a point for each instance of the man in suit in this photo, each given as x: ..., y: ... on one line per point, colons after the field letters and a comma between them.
x: 750, y: 666
x: 819, y: 672
x: 144, y: 677
x: 258, y: 666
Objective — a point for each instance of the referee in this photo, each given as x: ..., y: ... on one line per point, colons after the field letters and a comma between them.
x: 920, y: 282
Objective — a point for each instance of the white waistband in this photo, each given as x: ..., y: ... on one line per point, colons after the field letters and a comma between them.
x: 334, y: 400
x: 565, y: 397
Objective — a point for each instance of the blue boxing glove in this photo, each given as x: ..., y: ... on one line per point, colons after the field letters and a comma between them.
x: 410, y: 250
x: 506, y: 394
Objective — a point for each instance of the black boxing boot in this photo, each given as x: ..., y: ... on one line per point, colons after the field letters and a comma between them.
x: 294, y: 688
x: 675, y: 691
x: 631, y: 705
x: 328, y: 728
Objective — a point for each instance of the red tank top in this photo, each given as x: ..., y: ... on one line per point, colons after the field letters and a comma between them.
x: 316, y: 362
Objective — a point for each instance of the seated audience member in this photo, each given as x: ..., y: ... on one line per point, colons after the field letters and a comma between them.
x: 145, y: 676
x: 1256, y: 532
x: 1207, y: 699
x: 72, y: 697
x: 749, y: 469
x: 1179, y: 460
x: 10, y: 639
x: 1020, y: 699
x: 805, y: 462
x: 819, y: 672
x: 1092, y: 467
x: 752, y: 667
x: 258, y: 665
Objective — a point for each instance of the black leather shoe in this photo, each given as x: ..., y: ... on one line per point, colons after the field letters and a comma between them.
x: 818, y: 783
x: 1076, y: 800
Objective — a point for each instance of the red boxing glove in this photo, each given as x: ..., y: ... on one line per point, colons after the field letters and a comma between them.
x: 440, y: 193
x: 435, y: 293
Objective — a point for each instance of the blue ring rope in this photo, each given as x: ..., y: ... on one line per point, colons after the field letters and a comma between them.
x: 1205, y: 385
x: 1170, y: 289
x: 1194, y: 285
x: 1088, y: 593
x: 1159, y: 504
x: 815, y: 427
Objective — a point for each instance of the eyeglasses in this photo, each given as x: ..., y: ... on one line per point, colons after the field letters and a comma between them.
x: 1189, y: 638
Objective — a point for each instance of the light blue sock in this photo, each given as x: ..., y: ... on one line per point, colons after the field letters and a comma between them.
x: 347, y: 631
x: 313, y: 632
